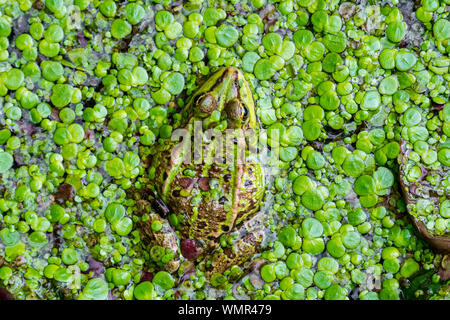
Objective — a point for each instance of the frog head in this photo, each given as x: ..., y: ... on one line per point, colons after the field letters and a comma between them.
x: 224, y: 97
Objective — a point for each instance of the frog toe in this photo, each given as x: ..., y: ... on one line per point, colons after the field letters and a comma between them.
x: 241, y: 251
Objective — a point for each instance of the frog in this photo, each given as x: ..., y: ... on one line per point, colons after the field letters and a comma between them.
x: 218, y: 195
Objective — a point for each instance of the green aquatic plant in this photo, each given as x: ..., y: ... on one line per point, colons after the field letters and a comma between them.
x: 353, y: 102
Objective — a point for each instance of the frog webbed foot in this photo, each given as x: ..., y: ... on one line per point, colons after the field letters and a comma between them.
x: 156, y: 230
x: 247, y: 244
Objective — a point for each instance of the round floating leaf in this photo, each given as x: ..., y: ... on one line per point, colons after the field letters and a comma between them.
x: 174, y: 83
x: 364, y: 185
x: 95, y: 289
x: 312, y: 199
x: 371, y: 100
x: 6, y: 161
x: 335, y: 42
x: 384, y: 179
x: 226, y: 35
x: 114, y: 212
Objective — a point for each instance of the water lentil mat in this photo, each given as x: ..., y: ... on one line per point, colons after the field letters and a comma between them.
x: 351, y: 99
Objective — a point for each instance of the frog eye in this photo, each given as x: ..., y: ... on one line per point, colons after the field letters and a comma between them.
x: 237, y: 111
x: 232, y: 109
x: 206, y: 103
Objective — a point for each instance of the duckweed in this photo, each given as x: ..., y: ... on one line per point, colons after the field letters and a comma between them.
x: 357, y: 94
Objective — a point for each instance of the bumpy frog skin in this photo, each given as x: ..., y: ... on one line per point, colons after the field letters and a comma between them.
x: 212, y: 198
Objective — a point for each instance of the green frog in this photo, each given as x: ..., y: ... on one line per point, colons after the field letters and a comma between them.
x: 215, y: 190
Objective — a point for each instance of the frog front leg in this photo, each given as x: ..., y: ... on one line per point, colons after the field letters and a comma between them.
x: 164, y: 237
x: 246, y: 245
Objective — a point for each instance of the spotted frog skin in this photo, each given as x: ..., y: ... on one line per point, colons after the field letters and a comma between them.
x: 213, y: 196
